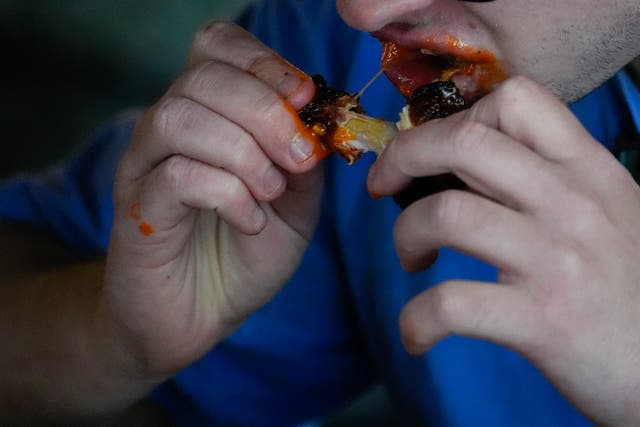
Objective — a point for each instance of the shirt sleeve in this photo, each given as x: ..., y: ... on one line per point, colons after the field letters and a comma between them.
x: 72, y: 200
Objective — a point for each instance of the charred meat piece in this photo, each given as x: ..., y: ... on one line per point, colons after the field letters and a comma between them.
x: 323, y: 108
x: 341, y: 125
x: 431, y: 101
x: 435, y: 101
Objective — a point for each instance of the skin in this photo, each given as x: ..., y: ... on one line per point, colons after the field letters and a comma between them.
x: 563, y: 237
x: 210, y: 184
x: 568, y: 52
x: 218, y: 198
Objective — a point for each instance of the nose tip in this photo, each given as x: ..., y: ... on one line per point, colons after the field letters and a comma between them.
x: 362, y: 15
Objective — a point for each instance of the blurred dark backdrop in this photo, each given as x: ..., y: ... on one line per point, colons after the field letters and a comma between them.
x: 69, y: 65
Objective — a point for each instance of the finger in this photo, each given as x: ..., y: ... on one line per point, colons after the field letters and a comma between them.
x: 469, y: 223
x: 254, y: 106
x: 231, y: 44
x: 486, y: 159
x: 182, y: 126
x: 529, y: 113
x: 179, y: 185
x: 497, y: 313
x: 239, y: 98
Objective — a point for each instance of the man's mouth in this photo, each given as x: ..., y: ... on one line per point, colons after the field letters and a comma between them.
x: 474, y: 71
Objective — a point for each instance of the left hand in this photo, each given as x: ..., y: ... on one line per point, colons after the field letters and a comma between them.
x: 559, y: 217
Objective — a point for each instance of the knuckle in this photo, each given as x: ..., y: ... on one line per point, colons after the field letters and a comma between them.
x: 514, y: 89
x: 262, y: 60
x: 206, y: 76
x: 268, y: 106
x: 174, y: 172
x: 583, y: 216
x: 509, y: 97
x: 444, y: 303
x: 446, y: 211
x: 571, y: 263
x: 233, y: 188
x: 213, y: 33
x: 173, y: 116
x: 243, y: 152
x: 466, y: 137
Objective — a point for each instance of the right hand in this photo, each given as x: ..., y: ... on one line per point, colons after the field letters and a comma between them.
x: 228, y: 208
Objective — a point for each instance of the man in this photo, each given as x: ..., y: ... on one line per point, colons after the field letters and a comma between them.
x: 268, y: 300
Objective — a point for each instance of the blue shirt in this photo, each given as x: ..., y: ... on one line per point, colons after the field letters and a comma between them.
x: 333, y: 330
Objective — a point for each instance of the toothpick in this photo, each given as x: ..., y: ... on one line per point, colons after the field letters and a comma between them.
x: 369, y: 83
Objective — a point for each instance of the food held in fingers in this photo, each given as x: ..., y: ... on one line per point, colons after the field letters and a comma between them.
x: 340, y: 123
x: 438, y: 79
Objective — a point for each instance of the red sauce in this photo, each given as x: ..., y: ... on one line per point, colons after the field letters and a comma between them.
x: 319, y: 151
x: 146, y: 229
x: 375, y: 196
x: 343, y: 135
x: 134, y: 211
x: 409, y: 68
x: 392, y: 53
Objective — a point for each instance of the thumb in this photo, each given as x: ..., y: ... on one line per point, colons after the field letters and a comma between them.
x: 497, y: 313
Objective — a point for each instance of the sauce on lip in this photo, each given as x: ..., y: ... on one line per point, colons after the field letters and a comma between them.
x: 409, y: 67
x: 393, y: 52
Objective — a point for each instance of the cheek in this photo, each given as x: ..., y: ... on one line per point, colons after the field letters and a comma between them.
x: 572, y: 58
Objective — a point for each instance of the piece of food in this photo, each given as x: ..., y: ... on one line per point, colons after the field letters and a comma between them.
x: 435, y: 85
x: 340, y: 123
x: 474, y: 71
x: 430, y: 101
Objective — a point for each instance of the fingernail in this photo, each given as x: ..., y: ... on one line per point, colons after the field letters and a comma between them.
x: 272, y: 180
x: 301, y: 148
x: 288, y: 83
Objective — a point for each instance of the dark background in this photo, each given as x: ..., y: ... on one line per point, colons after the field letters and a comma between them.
x: 69, y: 65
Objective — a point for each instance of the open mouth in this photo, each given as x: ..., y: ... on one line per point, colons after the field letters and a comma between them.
x: 474, y: 71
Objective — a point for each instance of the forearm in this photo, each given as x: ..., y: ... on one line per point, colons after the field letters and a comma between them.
x: 62, y: 357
